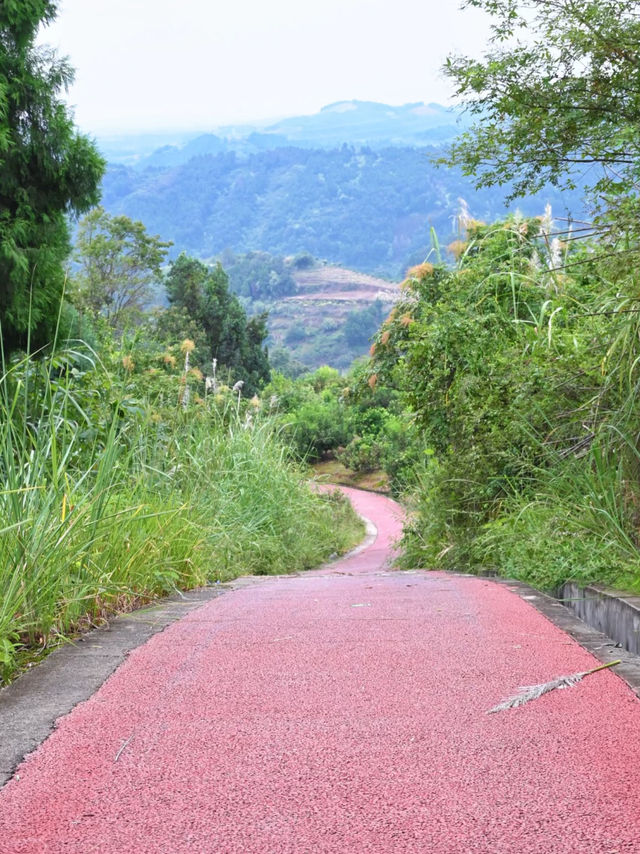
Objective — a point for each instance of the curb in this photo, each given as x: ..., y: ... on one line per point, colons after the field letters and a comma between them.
x: 611, y: 611
x: 598, y: 644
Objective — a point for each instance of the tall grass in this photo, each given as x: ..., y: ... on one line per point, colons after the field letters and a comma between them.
x: 578, y: 517
x: 105, y: 504
x: 579, y: 522
x: 524, y: 374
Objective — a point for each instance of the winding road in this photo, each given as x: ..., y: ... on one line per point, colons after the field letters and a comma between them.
x: 341, y: 710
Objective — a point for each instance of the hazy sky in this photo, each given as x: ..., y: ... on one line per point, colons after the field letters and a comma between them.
x: 196, y: 64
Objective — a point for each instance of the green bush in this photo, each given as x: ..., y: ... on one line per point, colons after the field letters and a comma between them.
x: 361, y: 454
x: 522, y: 385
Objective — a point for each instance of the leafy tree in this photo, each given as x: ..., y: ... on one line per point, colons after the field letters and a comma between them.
x: 260, y: 276
x: 557, y: 100
x: 312, y: 411
x: 47, y: 171
x: 282, y: 361
x: 361, y: 324
x: 303, y: 261
x: 296, y: 333
x: 119, y: 263
x: 254, y: 356
x: 201, y: 295
x: 170, y: 327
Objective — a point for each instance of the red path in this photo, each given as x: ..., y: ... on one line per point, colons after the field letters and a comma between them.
x: 341, y: 711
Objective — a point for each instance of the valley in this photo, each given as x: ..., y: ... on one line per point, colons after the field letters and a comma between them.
x: 356, y: 188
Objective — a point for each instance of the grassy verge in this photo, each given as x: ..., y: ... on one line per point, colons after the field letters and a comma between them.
x: 579, y: 524
x: 106, y: 505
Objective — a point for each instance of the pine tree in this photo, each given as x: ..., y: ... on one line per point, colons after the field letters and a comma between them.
x: 48, y: 171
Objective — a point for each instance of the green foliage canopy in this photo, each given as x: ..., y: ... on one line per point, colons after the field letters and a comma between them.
x: 259, y: 275
x: 47, y: 171
x: 361, y: 324
x: 500, y: 363
x: 119, y: 262
x: 201, y: 296
x: 557, y: 99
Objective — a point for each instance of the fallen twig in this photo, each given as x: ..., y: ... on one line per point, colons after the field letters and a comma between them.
x: 532, y: 692
x: 122, y: 747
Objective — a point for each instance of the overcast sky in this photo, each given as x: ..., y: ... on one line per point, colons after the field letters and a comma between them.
x: 144, y: 65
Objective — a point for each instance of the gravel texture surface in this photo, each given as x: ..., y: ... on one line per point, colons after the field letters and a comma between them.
x: 343, y: 710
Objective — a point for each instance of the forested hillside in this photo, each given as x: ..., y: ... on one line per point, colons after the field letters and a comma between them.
x: 317, y: 313
x: 364, y: 208
x: 330, y: 320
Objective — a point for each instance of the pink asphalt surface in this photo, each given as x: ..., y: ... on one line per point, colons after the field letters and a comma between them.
x: 341, y: 711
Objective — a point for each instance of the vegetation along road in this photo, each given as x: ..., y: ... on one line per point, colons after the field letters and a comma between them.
x: 341, y: 710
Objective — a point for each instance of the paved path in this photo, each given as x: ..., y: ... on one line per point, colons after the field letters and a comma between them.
x: 341, y: 711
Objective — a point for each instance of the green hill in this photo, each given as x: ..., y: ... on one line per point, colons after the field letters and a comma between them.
x: 367, y: 209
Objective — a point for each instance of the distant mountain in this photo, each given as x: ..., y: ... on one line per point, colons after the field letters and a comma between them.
x: 361, y: 123
x: 173, y: 155
x: 131, y: 148
x: 354, y: 185
x: 372, y: 124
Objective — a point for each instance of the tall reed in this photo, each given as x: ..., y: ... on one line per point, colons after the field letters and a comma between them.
x: 108, y: 500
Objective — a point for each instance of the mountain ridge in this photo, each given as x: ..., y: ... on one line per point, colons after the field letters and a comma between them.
x: 351, y: 122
